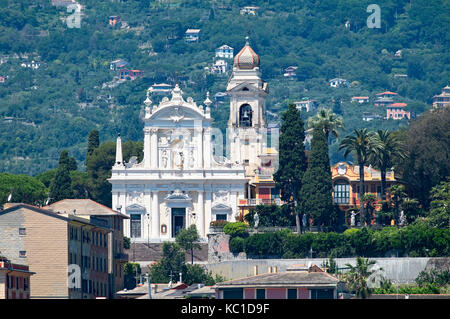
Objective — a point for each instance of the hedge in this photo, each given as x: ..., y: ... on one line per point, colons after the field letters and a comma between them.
x: 416, y: 240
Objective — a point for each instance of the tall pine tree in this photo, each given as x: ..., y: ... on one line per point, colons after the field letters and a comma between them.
x: 316, y: 192
x: 292, y: 158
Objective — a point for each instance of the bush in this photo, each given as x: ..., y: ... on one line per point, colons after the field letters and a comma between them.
x: 237, y: 229
x: 266, y: 244
x: 237, y: 245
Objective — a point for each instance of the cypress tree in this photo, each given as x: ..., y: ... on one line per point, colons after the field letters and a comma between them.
x: 292, y: 158
x: 316, y: 192
x: 93, y: 142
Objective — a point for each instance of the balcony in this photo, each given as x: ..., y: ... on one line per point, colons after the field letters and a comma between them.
x: 259, y: 201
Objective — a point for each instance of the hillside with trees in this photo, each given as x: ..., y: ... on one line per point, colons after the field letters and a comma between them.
x: 59, y: 86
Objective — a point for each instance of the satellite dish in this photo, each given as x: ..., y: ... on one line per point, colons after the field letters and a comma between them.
x: 9, y: 197
x: 309, y: 264
x: 47, y: 201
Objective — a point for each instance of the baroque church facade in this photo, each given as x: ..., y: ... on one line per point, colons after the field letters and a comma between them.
x: 181, y: 181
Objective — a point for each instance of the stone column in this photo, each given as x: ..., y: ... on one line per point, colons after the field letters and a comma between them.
x: 154, y: 148
x: 208, y: 212
x: 199, y: 143
x: 201, y: 214
x: 207, y: 147
x: 147, y: 147
x: 155, y: 215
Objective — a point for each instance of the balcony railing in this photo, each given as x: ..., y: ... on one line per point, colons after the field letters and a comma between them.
x: 259, y: 201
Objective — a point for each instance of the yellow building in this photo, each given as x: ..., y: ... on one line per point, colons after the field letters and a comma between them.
x: 346, y: 183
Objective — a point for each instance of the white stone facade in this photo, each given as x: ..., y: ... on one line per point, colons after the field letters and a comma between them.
x: 179, y: 182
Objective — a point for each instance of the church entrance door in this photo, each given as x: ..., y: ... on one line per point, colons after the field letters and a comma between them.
x: 178, y: 220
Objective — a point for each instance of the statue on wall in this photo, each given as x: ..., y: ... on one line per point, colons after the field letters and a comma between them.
x: 352, y: 219
x: 165, y: 159
x: 256, y: 220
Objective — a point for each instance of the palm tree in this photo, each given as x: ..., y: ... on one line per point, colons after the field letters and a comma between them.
x: 357, y: 277
x: 390, y: 148
x: 361, y: 144
x: 330, y: 122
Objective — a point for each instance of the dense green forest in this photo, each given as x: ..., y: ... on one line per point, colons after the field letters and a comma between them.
x: 54, y: 107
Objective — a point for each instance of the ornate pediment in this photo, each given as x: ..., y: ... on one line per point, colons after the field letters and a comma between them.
x: 178, y: 196
x: 135, y: 207
x: 221, y: 208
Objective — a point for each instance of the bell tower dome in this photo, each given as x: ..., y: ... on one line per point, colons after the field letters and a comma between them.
x: 247, y: 120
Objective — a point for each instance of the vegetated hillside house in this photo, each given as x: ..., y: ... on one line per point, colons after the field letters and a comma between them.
x: 182, y: 180
x: 113, y: 20
x: 249, y: 10
x: 360, y: 99
x: 14, y: 280
x: 298, y: 282
x: 118, y: 64
x: 385, y: 98
x: 126, y: 74
x: 443, y: 99
x: 220, y: 67
x: 306, y: 105
x: 52, y: 243
x: 338, y: 82
x: 396, y: 111
x: 290, y: 71
x: 368, y: 116
x: 192, y: 35
x: 162, y: 88
x: 225, y: 52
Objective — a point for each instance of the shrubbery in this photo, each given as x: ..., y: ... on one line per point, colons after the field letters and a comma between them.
x: 237, y: 229
x: 237, y: 245
x: 416, y: 240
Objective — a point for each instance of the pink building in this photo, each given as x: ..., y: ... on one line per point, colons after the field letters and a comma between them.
x: 298, y: 282
x: 396, y: 111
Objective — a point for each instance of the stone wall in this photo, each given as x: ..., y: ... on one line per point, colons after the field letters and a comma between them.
x: 398, y: 270
x: 219, y: 249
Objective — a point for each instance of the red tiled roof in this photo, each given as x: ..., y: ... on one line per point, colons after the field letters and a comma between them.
x: 387, y: 93
x: 397, y: 105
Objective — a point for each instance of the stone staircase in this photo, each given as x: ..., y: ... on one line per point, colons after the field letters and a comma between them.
x: 153, y: 252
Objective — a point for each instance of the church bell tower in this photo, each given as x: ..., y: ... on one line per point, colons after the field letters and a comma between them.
x: 247, y: 121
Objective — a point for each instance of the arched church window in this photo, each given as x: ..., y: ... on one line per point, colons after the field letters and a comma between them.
x: 245, y: 115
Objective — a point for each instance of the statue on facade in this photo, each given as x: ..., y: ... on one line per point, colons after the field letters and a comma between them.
x: 402, y: 218
x: 352, y: 219
x: 165, y: 159
x: 256, y: 220
x: 304, y: 220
